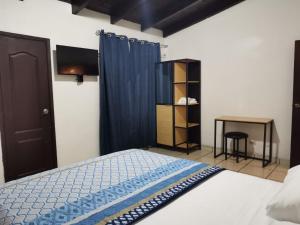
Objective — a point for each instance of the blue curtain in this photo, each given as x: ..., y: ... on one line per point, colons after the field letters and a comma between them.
x: 127, y: 93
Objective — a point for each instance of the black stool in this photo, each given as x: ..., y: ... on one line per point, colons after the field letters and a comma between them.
x: 236, y: 136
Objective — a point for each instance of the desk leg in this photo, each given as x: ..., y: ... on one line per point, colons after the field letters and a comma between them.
x: 271, y: 142
x: 264, y: 147
x: 223, y: 132
x: 215, y: 140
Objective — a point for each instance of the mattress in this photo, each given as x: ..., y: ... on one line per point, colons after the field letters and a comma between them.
x: 136, y: 186
x: 119, y: 188
x: 229, y: 198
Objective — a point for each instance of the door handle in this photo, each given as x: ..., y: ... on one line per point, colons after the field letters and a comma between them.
x: 45, y: 111
x: 297, y: 105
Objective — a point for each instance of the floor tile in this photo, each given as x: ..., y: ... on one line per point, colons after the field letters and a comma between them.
x: 258, y: 163
x: 277, y: 176
x: 256, y: 171
x: 282, y: 168
x: 209, y: 159
x: 231, y: 164
x: 168, y: 152
x: 195, y: 155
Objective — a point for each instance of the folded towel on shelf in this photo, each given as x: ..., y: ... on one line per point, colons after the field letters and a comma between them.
x: 191, y: 101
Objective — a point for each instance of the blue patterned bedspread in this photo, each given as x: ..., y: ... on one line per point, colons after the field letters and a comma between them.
x: 119, y: 188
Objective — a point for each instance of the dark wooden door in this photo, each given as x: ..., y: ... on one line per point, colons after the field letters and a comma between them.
x: 27, y: 121
x: 295, y: 144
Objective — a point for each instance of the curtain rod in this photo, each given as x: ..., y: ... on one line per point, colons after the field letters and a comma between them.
x: 98, y: 32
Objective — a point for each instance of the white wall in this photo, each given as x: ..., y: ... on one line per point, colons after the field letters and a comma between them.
x: 247, y: 55
x: 76, y: 107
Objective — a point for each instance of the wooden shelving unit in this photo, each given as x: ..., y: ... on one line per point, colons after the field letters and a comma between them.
x: 185, y: 82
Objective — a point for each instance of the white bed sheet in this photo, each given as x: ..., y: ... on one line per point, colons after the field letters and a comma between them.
x: 228, y: 198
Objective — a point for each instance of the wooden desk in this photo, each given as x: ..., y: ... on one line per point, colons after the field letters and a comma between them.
x: 237, y: 119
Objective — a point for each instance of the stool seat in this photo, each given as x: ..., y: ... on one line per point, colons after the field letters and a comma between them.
x: 236, y: 135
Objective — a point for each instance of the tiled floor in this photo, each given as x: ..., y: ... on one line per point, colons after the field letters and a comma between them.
x: 273, y: 171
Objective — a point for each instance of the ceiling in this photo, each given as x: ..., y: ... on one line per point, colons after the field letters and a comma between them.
x: 170, y: 16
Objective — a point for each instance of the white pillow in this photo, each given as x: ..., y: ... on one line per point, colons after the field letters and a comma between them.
x: 285, y: 205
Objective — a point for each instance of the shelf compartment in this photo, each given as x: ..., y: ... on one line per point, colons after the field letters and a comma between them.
x: 180, y: 73
x: 180, y: 115
x: 183, y: 125
x: 180, y: 136
x: 179, y: 91
x: 185, y: 145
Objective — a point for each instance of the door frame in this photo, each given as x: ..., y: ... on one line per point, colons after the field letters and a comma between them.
x: 294, y: 157
x: 49, y: 73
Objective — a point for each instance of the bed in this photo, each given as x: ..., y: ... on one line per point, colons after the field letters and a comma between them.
x: 137, y: 187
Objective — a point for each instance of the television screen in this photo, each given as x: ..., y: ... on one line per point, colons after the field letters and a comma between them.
x: 76, y: 61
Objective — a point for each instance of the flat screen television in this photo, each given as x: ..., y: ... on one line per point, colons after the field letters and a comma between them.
x: 76, y: 61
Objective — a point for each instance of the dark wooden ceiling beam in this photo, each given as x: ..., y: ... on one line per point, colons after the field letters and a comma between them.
x: 78, y: 5
x: 197, y: 16
x: 165, y: 13
x: 170, y: 16
x: 122, y: 8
